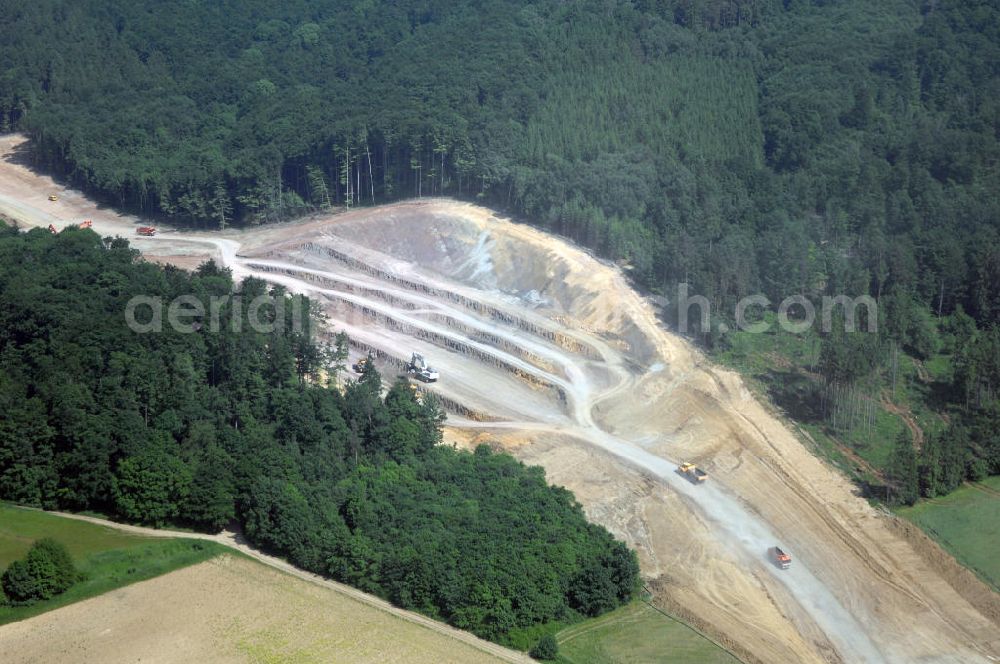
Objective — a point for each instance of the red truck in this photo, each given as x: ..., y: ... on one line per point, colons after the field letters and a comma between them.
x: 148, y: 231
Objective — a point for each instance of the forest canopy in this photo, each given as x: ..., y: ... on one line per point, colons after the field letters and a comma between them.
x: 803, y: 148
x: 203, y: 427
x: 776, y: 146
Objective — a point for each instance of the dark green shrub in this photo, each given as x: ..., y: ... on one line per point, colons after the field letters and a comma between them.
x: 45, y: 571
x: 546, y: 649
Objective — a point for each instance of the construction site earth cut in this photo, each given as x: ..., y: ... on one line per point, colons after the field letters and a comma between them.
x: 536, y: 346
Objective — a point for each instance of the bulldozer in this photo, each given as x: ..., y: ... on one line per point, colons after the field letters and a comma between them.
x: 419, y: 368
x: 53, y: 198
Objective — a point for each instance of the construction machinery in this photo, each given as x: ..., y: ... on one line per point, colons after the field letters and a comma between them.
x: 779, y: 557
x: 83, y: 224
x: 359, y: 366
x: 53, y: 198
x: 693, y: 472
x: 419, y: 368
x: 148, y: 231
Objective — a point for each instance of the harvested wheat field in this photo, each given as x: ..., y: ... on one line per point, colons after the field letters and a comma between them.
x: 228, y: 609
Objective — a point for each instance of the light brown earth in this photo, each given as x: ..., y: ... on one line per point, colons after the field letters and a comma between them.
x: 228, y: 609
x: 548, y: 352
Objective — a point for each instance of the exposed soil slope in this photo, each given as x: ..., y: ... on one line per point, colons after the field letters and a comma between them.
x: 548, y: 351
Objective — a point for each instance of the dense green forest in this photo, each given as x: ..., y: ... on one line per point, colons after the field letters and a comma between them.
x: 199, y: 427
x: 784, y: 147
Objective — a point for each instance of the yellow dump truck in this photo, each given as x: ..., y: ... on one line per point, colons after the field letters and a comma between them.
x: 693, y: 472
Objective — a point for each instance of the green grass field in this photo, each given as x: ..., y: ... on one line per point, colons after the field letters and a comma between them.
x: 967, y: 524
x: 107, y: 558
x: 637, y: 633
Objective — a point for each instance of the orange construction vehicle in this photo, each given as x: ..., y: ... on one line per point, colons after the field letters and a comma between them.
x: 779, y: 557
x: 148, y: 231
x: 86, y: 224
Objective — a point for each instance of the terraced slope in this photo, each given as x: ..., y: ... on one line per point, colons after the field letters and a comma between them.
x: 549, y: 352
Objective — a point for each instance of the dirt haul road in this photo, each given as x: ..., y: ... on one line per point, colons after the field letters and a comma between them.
x: 548, y: 352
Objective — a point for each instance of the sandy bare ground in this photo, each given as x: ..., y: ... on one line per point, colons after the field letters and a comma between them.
x: 228, y: 609
x: 548, y: 352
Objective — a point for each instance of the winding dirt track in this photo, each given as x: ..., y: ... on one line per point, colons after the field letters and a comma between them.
x: 549, y: 352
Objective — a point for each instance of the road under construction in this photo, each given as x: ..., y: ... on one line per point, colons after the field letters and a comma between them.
x: 549, y: 353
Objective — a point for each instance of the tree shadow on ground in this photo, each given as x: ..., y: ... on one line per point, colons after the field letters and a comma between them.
x: 796, y: 394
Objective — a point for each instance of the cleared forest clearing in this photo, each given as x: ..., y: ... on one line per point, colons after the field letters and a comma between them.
x: 546, y: 351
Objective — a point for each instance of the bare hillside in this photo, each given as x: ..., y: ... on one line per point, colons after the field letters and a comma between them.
x: 545, y: 350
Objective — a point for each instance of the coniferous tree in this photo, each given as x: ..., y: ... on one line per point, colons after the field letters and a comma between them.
x: 902, y: 472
